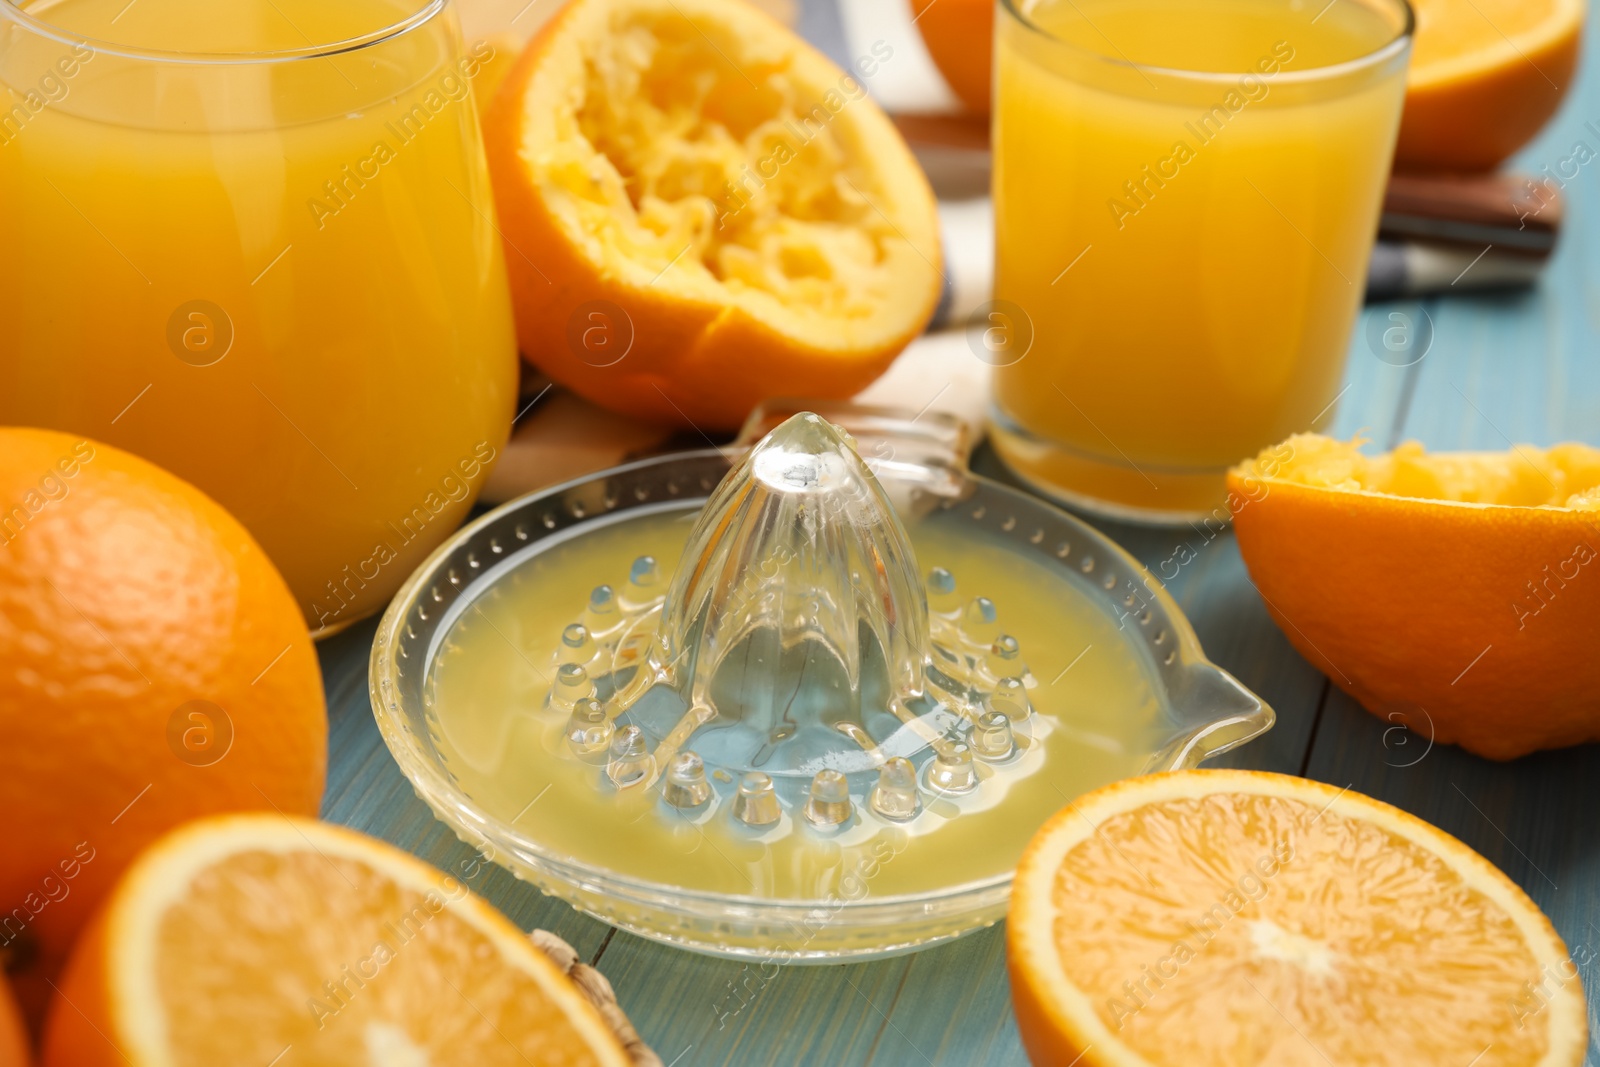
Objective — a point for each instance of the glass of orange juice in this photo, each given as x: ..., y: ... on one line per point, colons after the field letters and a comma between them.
x: 254, y: 242
x: 1186, y: 194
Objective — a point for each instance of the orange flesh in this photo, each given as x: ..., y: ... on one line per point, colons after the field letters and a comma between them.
x: 1242, y: 928
x: 693, y: 148
x: 374, y: 975
x: 728, y: 212
x: 1566, y: 475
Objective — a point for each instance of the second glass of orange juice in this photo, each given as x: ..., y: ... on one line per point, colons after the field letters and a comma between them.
x: 253, y: 241
x: 1186, y: 195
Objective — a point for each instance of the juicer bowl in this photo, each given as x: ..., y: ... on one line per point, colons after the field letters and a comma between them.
x: 921, y: 466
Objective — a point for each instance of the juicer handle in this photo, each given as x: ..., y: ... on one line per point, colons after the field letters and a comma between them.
x: 928, y: 449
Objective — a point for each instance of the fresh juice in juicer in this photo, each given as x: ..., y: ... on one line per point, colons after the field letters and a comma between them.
x: 816, y: 713
x: 1101, y: 706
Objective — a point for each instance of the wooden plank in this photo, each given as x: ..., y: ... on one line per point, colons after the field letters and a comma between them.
x: 957, y: 1001
x: 1512, y: 369
x: 699, y: 1010
x: 1377, y: 390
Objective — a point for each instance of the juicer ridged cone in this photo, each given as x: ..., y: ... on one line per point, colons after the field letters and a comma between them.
x: 796, y: 613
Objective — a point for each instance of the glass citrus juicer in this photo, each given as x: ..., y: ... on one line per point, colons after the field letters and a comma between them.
x: 803, y: 700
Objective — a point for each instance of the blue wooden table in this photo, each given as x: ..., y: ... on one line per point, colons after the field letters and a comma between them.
x: 1503, y: 369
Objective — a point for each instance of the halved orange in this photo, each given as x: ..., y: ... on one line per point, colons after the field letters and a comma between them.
x: 1486, y: 75
x: 702, y: 212
x: 260, y: 939
x: 1456, y: 594
x: 1222, y: 918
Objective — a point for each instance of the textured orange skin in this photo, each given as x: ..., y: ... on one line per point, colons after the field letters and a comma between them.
x: 960, y: 38
x: 71, y: 1036
x: 1047, y: 1041
x: 700, y: 365
x: 14, y: 1051
x: 127, y: 597
x: 1393, y: 598
x: 1474, y: 125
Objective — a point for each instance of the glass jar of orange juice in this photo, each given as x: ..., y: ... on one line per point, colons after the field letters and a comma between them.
x: 254, y: 242
x: 1186, y: 194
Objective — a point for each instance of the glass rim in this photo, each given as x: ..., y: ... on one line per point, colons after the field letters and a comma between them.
x: 11, y: 10
x: 1328, y: 72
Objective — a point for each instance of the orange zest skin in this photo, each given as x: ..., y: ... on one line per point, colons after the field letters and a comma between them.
x: 1456, y: 594
x: 126, y: 596
x: 1221, y: 918
x: 14, y: 1051
x: 701, y: 212
x: 960, y: 38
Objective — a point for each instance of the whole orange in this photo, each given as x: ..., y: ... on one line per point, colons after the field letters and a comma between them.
x: 153, y: 667
x: 960, y: 38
